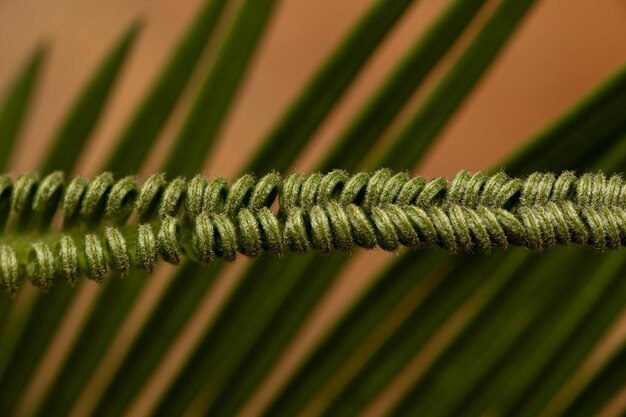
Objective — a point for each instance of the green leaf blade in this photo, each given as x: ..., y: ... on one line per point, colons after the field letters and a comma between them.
x: 306, y: 114
x: 346, y: 334
x: 151, y: 115
x: 419, y: 133
x: 75, y: 131
x: 219, y: 88
x: 353, y: 144
x: 14, y: 109
x: 599, y: 116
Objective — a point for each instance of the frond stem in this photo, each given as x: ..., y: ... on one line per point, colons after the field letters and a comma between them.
x: 117, y: 225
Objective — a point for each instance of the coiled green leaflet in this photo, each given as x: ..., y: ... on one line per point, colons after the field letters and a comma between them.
x: 116, y: 225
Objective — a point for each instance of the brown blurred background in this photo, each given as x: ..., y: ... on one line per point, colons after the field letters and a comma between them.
x: 564, y: 48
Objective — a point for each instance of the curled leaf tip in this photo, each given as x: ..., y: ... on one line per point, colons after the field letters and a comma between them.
x: 205, y: 219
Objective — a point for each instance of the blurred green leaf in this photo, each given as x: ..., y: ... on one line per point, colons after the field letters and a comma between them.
x: 115, y: 300
x: 523, y: 369
x: 420, y: 132
x: 323, y: 92
x: 14, y: 108
x: 583, y: 132
x: 377, y: 114
x: 219, y: 88
x: 436, y: 322
x: 588, y: 314
x: 150, y: 117
x: 82, y: 118
x: 607, y: 382
x: 536, y: 291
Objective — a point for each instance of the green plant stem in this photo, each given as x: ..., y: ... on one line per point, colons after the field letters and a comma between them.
x: 324, y: 212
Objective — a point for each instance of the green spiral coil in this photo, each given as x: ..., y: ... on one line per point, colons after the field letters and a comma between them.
x: 61, y: 230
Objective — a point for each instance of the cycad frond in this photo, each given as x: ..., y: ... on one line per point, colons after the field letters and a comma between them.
x: 506, y: 332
